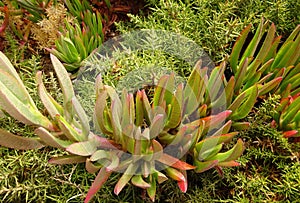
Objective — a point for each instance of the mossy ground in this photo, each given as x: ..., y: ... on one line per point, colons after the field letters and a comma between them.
x: 270, y: 167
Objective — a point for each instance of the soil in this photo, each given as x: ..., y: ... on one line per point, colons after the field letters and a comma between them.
x: 2, y: 43
x: 117, y: 12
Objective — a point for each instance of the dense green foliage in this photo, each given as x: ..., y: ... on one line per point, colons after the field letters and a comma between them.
x: 270, y: 169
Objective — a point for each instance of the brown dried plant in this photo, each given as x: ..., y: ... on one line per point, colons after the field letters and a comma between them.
x: 47, y: 30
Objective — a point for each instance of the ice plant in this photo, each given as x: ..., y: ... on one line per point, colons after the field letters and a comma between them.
x: 287, y: 117
x: 78, y: 41
x: 261, y: 69
x: 36, y: 8
x: 269, y: 67
x: 147, y: 140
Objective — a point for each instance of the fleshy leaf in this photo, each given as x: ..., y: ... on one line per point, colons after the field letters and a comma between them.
x: 231, y: 154
x: 17, y: 142
x: 50, y: 104
x: 63, y: 78
x: 175, y: 174
x: 174, y: 162
x: 204, y: 166
x: 138, y: 181
x: 51, y: 140
x: 130, y: 171
x: 67, y: 159
x: 152, y: 190
x: 101, y: 178
x: 86, y: 148
x: 183, y: 185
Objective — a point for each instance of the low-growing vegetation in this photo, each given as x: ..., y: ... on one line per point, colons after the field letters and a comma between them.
x: 158, y: 124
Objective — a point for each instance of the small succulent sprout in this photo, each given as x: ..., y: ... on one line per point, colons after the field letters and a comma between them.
x: 81, y: 39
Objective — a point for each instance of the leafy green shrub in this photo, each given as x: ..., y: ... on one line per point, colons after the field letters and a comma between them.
x: 270, y: 165
x: 214, y: 24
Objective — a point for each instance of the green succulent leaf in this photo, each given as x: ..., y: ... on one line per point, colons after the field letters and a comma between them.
x: 10, y: 140
x: 6, y: 66
x: 69, y: 131
x: 160, y: 177
x: 290, y: 112
x: 130, y: 171
x: 240, y: 75
x: 205, y: 165
x: 151, y: 191
x: 228, y: 90
x: 210, y: 152
x: 213, y: 141
x: 99, y: 154
x: 236, y: 50
x: 86, y: 148
x: 241, y: 125
x: 228, y: 164
x: 160, y: 91
x: 246, y: 104
x: 147, y: 108
x: 175, y: 115
x: 100, y: 179
x: 51, y: 140
x: 156, y: 126
x: 92, y: 167
x: 251, y: 48
x: 15, y: 99
x: 50, y: 104
x: 67, y: 159
x: 174, y: 174
x: 138, y: 181
x: 265, y: 48
x: 231, y: 154
x: 174, y: 162
x: 269, y: 86
x: 64, y: 79
x: 224, y: 129
x: 84, y: 121
x: 104, y: 123
x: 215, y: 82
x: 139, y: 114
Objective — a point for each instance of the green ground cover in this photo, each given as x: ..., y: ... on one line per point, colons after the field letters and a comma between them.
x: 270, y: 167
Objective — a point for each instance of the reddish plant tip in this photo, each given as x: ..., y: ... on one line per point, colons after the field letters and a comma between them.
x: 290, y: 133
x: 6, y: 20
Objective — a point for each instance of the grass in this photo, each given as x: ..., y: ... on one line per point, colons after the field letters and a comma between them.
x: 270, y: 167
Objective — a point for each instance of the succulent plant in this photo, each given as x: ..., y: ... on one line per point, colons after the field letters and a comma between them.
x: 148, y: 141
x: 77, y: 39
x: 272, y: 69
x: 261, y: 69
x: 77, y: 7
x: 80, y: 39
x: 287, y: 117
x: 36, y: 8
